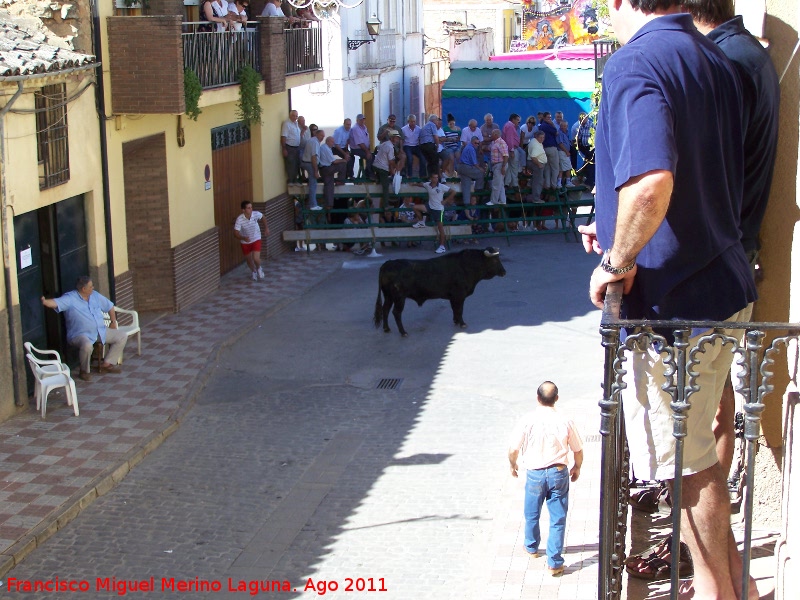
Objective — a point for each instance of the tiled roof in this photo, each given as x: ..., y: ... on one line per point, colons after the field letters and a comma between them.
x: 24, y: 49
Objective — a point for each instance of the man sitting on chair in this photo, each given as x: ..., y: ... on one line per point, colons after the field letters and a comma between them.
x: 83, y: 310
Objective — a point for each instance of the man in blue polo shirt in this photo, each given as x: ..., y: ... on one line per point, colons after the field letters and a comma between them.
x: 761, y: 97
x: 83, y: 310
x: 551, y: 150
x: 469, y: 170
x: 670, y: 114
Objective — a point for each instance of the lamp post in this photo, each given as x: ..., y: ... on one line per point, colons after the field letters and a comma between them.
x: 373, y: 29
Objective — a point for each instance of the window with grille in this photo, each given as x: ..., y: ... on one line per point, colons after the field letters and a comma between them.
x: 52, y: 142
x: 413, y: 98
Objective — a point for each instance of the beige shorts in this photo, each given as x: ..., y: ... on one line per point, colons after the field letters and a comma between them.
x: 648, y: 416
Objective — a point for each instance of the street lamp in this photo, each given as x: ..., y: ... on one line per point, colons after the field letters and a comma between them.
x: 373, y: 29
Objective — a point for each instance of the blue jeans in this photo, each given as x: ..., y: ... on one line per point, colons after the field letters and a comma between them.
x: 312, y: 184
x: 549, y: 484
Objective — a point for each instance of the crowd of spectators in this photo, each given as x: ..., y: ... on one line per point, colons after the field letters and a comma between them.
x: 221, y: 15
x: 543, y: 152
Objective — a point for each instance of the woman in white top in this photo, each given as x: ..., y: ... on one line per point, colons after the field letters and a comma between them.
x: 216, y: 11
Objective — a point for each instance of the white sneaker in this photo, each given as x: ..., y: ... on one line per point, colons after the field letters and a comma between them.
x: 298, y: 249
x: 419, y: 224
x: 441, y: 250
x: 490, y: 203
x: 255, y: 276
x: 316, y: 208
x: 260, y: 273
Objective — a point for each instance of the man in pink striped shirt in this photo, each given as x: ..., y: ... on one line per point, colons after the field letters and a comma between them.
x: 540, y: 444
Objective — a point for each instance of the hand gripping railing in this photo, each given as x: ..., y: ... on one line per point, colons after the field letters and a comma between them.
x: 755, y: 361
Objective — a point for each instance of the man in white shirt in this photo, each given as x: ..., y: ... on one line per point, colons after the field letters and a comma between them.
x: 310, y: 162
x: 540, y: 444
x: 385, y: 165
x: 290, y: 147
x: 435, y: 207
x: 411, y: 147
x: 537, y: 159
x: 247, y: 231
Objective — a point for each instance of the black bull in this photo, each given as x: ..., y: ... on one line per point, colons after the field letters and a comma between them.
x: 452, y: 277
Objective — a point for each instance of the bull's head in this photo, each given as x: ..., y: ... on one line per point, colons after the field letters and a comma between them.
x: 497, y: 268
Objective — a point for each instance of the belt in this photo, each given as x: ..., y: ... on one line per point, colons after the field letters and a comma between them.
x: 288, y: 146
x: 557, y: 466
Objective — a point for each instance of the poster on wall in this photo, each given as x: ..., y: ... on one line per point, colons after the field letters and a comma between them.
x: 558, y: 24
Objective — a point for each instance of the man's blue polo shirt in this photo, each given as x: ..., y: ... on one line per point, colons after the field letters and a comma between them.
x: 761, y: 95
x: 550, y: 133
x: 84, y: 317
x: 671, y: 101
x: 468, y: 156
x: 426, y: 134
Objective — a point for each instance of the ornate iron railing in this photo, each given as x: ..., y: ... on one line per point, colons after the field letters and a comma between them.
x: 304, y: 48
x: 755, y: 357
x: 217, y: 57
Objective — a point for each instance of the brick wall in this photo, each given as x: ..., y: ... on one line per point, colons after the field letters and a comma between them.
x: 123, y: 284
x: 147, y: 216
x: 273, y: 54
x: 165, y: 7
x: 196, y: 268
x: 146, y: 63
x: 279, y: 212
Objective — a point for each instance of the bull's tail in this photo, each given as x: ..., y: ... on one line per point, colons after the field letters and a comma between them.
x: 377, y: 318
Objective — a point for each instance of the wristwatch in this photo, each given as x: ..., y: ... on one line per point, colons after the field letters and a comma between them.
x: 606, y: 266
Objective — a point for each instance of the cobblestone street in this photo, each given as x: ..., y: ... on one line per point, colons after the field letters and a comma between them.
x: 291, y: 465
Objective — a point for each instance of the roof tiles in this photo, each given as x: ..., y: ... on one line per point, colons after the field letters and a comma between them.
x: 24, y: 51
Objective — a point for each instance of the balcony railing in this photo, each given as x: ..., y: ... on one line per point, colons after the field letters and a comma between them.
x: 380, y: 53
x: 755, y: 355
x: 303, y: 48
x: 603, y: 49
x: 217, y: 57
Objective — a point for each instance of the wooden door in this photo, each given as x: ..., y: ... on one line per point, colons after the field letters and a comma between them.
x: 233, y: 182
x: 368, y: 109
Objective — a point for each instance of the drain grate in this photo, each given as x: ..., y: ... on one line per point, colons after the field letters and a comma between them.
x: 389, y: 384
x: 592, y: 439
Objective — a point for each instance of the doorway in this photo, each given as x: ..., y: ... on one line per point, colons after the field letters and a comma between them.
x: 51, y: 254
x: 368, y: 109
x: 232, y: 165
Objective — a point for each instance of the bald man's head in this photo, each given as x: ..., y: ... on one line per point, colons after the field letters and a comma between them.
x: 547, y: 394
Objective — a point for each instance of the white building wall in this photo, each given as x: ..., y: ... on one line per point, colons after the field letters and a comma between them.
x: 327, y: 103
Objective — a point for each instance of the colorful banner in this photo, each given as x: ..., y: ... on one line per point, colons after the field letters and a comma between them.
x: 557, y: 24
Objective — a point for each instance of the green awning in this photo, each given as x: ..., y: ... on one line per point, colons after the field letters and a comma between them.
x: 519, y: 83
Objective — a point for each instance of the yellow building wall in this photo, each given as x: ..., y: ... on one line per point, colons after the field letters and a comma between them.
x: 85, y: 177
x: 191, y: 205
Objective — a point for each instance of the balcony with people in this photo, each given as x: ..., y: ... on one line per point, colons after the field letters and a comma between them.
x: 149, y: 53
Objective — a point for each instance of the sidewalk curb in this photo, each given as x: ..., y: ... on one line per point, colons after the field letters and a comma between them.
x: 108, y: 480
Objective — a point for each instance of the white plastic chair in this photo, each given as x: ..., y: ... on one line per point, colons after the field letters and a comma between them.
x: 49, y: 375
x: 129, y: 330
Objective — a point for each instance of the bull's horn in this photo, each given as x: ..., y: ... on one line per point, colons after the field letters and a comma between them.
x: 491, y: 252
